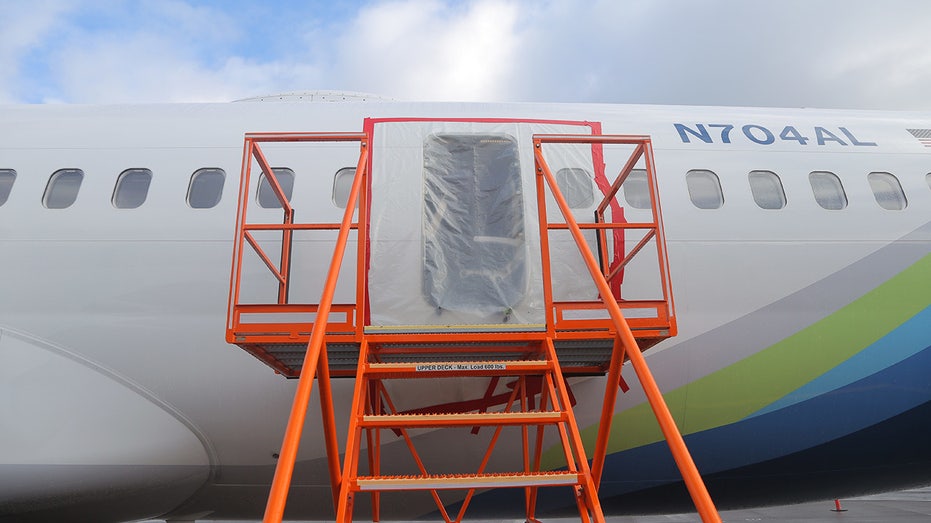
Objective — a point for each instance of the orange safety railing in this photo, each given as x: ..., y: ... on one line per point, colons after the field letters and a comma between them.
x: 656, y: 317
x: 255, y: 325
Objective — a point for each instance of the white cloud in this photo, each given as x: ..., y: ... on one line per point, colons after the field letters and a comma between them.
x: 427, y: 50
x: 792, y: 53
x: 159, y: 52
x: 140, y: 68
x: 885, y: 62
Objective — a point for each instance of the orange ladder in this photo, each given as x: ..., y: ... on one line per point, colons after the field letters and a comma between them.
x: 373, y: 410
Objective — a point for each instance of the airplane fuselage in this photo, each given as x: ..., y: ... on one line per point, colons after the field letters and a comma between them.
x: 798, y: 245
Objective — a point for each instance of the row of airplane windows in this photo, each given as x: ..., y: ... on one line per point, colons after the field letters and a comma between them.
x: 767, y: 190
x: 205, y: 188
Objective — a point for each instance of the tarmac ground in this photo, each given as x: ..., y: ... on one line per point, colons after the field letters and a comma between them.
x: 905, y: 506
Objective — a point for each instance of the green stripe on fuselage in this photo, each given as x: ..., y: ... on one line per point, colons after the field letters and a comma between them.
x: 734, y: 392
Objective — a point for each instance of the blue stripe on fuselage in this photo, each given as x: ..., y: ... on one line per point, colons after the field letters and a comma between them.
x: 802, y: 425
x: 903, y: 342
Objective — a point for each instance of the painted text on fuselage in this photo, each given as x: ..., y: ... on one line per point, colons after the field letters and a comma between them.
x: 726, y: 133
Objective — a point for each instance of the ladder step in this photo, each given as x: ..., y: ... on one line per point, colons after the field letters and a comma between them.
x: 468, y: 481
x: 457, y: 368
x: 468, y: 419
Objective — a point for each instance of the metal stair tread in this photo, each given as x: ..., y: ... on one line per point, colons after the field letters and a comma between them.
x: 468, y: 481
x: 462, y: 418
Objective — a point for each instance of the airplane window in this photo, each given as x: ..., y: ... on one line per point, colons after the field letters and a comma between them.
x: 704, y: 189
x: 131, y: 189
x: 576, y: 187
x: 767, y: 190
x: 342, y: 186
x: 928, y: 179
x: 7, y: 177
x: 62, y: 188
x: 828, y: 190
x: 266, y: 196
x: 636, y: 190
x: 206, y: 188
x: 888, y: 191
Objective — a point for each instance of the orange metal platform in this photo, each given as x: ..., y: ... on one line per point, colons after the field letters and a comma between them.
x: 325, y: 340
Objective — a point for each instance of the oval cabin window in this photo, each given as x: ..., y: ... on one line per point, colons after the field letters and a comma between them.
x: 828, y: 190
x: 62, y: 189
x: 704, y: 189
x: 131, y: 189
x: 7, y: 177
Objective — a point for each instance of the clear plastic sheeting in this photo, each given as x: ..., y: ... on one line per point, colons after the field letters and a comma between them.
x: 475, y: 257
x: 454, y: 235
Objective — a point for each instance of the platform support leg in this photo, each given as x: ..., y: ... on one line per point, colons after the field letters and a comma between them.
x: 345, y: 502
x: 329, y: 427
x: 281, y: 483
x: 587, y: 492
x: 607, y: 410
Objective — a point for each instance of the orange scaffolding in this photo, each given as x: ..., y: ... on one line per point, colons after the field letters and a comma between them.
x: 324, y: 336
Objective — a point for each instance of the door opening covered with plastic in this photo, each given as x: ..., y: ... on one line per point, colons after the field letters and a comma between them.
x: 475, y: 257
x: 454, y: 230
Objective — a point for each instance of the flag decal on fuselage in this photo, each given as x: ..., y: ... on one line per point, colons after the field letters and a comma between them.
x: 923, y: 135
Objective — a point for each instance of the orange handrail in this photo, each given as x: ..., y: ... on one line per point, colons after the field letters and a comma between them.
x: 687, y: 468
x: 281, y: 483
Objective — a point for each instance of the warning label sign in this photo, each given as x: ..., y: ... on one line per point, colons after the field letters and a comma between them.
x: 459, y: 367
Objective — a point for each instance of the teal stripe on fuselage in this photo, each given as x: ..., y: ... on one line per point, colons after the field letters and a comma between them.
x: 905, y: 341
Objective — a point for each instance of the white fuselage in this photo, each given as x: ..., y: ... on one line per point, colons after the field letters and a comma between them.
x: 117, y: 383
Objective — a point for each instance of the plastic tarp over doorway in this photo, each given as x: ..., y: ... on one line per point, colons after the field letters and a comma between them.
x: 454, y: 234
x: 474, y: 249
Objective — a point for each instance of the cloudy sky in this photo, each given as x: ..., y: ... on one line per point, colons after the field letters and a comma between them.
x: 793, y: 53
